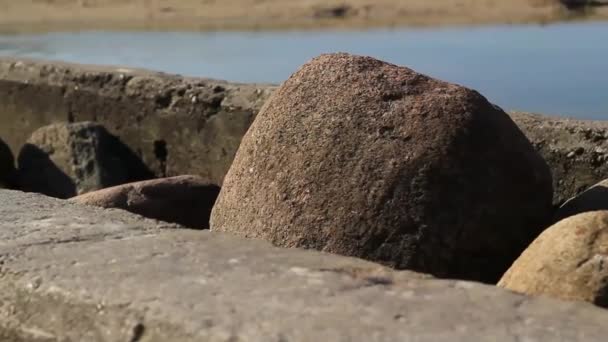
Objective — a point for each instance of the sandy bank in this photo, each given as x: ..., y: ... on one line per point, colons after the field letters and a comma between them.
x: 54, y: 15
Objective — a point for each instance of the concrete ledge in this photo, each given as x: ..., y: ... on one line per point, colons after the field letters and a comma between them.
x: 576, y: 150
x: 75, y: 273
x: 152, y: 111
x: 178, y: 125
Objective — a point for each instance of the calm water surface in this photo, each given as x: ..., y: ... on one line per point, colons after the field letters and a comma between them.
x: 558, y: 69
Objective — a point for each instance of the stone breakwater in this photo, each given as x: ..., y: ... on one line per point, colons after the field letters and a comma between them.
x: 351, y: 156
x: 180, y: 125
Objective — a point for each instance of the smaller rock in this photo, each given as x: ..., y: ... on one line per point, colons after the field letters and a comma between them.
x: 593, y: 199
x: 7, y: 165
x: 66, y: 159
x: 186, y: 200
x: 567, y: 261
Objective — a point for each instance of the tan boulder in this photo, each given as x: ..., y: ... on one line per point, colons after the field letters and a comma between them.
x: 568, y: 261
x: 355, y: 156
x: 186, y: 200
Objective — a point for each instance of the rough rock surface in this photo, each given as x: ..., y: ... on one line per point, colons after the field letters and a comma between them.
x: 186, y: 200
x: 64, y: 160
x: 7, y: 165
x: 576, y: 150
x: 592, y: 199
x: 567, y: 261
x: 364, y: 158
x: 178, y: 125
x: 76, y: 273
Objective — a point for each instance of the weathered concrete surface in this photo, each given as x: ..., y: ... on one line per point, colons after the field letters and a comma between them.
x: 576, y: 150
x: 72, y: 273
x: 177, y: 125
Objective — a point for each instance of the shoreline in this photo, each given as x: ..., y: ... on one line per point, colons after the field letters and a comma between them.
x: 28, y: 16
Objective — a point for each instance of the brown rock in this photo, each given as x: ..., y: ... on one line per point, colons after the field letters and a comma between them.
x: 186, y: 200
x: 567, y: 261
x: 364, y: 158
x: 64, y: 160
x: 592, y: 199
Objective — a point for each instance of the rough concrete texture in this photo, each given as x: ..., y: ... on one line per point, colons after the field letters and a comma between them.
x: 567, y: 261
x: 177, y: 125
x: 388, y: 165
x: 592, y: 199
x: 576, y: 150
x: 66, y: 159
x: 75, y: 273
x: 186, y: 200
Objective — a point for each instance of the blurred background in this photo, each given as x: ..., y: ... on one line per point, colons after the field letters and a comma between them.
x: 545, y: 56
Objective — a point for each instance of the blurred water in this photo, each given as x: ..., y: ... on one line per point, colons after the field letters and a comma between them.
x: 558, y: 69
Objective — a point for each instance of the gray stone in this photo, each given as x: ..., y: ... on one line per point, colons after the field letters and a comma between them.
x: 64, y: 160
x: 75, y: 273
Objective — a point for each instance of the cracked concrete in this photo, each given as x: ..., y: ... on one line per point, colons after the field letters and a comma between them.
x: 118, y: 277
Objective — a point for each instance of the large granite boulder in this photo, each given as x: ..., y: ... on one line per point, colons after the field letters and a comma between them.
x: 7, y: 165
x: 75, y: 273
x: 66, y: 159
x: 186, y: 200
x: 593, y: 199
x: 567, y: 261
x: 364, y: 158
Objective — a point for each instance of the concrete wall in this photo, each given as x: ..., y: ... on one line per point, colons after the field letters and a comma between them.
x: 177, y: 125
x: 182, y: 125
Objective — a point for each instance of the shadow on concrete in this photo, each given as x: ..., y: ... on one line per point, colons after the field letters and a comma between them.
x: 117, y: 154
x: 7, y: 166
x: 113, y: 161
x: 596, y: 198
x: 38, y: 173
